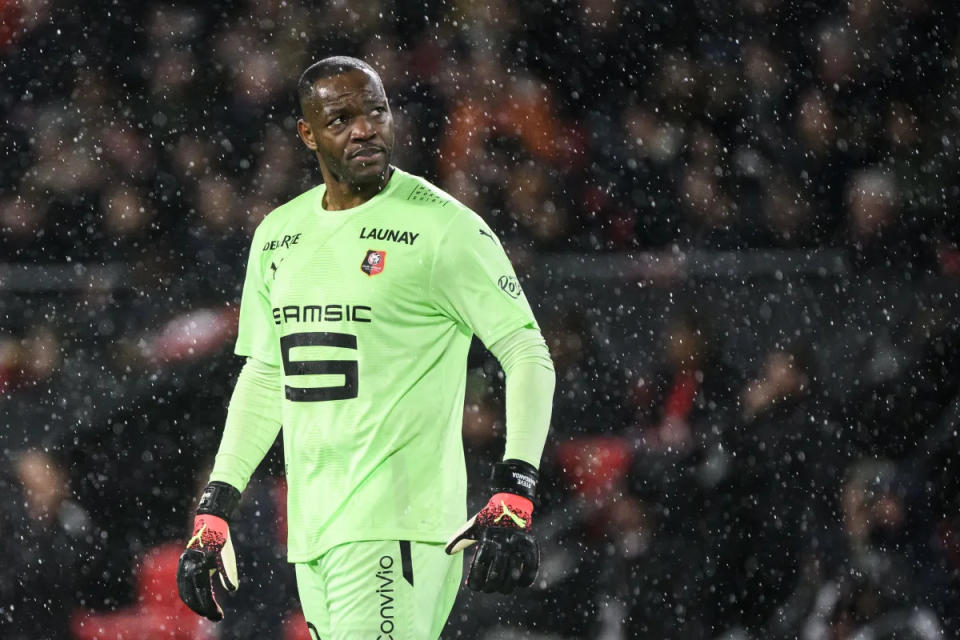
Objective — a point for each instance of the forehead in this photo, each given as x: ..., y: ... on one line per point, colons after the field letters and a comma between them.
x: 346, y: 87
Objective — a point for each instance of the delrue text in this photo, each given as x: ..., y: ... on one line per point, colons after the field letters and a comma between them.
x: 282, y: 243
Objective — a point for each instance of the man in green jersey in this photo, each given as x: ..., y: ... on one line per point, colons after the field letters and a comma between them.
x: 360, y: 301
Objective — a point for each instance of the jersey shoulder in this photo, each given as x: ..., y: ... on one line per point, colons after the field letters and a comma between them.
x: 282, y: 215
x: 427, y: 199
x: 416, y: 191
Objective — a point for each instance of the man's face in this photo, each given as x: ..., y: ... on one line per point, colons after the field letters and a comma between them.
x: 349, y: 125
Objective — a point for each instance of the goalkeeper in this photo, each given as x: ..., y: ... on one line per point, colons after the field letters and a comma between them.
x: 360, y: 300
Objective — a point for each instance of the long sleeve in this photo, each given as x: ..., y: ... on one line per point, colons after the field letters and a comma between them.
x: 253, y: 421
x: 530, y: 381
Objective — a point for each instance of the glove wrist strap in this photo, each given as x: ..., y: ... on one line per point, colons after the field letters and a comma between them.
x: 516, y: 477
x: 219, y: 499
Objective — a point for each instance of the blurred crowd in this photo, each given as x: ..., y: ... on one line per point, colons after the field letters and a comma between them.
x: 148, y: 132
x: 705, y: 487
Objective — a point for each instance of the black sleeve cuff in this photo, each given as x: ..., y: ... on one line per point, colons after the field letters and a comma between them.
x: 219, y: 499
x: 515, y: 476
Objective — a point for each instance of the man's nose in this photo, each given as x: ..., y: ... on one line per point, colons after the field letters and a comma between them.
x: 362, y: 129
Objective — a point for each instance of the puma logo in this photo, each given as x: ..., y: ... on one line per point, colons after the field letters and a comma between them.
x: 517, y: 520
x: 197, y: 537
x: 274, y: 266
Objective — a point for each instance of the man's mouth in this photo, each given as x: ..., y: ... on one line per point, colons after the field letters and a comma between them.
x: 367, y: 153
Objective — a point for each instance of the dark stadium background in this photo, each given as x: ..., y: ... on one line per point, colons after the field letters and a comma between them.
x: 736, y: 220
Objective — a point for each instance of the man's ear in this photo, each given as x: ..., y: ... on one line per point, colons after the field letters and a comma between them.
x: 306, y: 134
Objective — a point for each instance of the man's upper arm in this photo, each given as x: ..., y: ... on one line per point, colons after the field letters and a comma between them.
x: 473, y: 282
x: 256, y: 333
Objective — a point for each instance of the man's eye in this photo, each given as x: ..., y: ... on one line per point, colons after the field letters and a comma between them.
x: 336, y: 121
x: 379, y: 111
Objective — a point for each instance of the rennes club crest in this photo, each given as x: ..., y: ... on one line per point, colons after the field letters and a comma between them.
x: 373, y: 262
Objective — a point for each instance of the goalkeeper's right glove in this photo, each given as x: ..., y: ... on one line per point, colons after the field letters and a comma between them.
x: 209, y: 551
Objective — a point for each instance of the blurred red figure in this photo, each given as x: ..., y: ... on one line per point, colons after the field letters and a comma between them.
x: 295, y: 627
x: 595, y: 465
x: 158, y: 613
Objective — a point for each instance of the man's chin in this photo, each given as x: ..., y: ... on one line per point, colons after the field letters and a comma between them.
x: 368, y: 174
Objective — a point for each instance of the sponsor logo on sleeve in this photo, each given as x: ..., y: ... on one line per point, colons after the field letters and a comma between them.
x: 373, y: 262
x: 282, y: 243
x: 510, y: 286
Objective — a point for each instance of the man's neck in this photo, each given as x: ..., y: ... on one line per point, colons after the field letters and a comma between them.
x: 340, y: 195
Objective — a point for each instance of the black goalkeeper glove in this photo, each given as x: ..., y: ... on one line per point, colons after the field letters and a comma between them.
x: 209, y: 552
x: 507, y: 555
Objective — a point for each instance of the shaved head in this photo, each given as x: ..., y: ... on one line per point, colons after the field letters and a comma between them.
x: 326, y: 68
x: 347, y: 123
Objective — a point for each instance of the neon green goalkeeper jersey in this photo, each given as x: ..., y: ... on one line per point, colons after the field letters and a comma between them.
x: 370, y: 311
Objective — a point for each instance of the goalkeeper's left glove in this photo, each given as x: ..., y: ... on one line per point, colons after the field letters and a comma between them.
x: 507, y: 555
x: 209, y: 551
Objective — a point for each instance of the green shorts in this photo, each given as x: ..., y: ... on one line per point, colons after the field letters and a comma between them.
x: 379, y: 590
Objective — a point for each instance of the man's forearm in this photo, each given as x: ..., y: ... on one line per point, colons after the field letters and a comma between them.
x: 253, y: 421
x: 530, y: 381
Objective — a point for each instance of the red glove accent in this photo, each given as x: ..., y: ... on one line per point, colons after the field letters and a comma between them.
x: 506, y: 510
x: 209, y: 533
